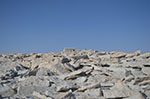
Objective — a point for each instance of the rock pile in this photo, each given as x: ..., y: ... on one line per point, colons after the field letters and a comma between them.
x: 75, y: 74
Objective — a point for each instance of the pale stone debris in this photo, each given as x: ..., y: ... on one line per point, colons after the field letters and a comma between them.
x: 75, y: 74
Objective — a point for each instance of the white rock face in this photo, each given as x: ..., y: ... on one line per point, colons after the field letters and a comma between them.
x: 75, y: 74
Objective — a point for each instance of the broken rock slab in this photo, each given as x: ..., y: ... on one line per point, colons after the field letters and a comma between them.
x: 39, y: 95
x: 106, y: 84
x: 6, y: 91
x: 119, y: 90
x: 65, y: 95
x: 66, y: 86
x: 73, y: 75
x: 146, y: 70
x: 91, y: 86
x: 118, y: 54
x: 43, y: 71
x: 89, y: 94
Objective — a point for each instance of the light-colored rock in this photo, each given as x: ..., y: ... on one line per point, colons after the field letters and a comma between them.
x: 130, y: 55
x: 141, y: 79
x: 44, y: 72
x: 129, y: 79
x: 147, y: 93
x: 146, y: 82
x: 66, y: 86
x: 145, y: 55
x: 102, y: 53
x: 118, y: 54
x: 146, y: 70
x: 77, y: 57
x: 136, y: 95
x: 37, y: 94
x: 93, y: 93
x: 69, y: 50
x: 106, y: 84
x: 6, y: 91
x: 77, y: 73
x: 81, y: 79
x: 65, y: 95
x: 146, y: 64
x: 69, y: 67
x: 82, y: 89
x: 119, y: 90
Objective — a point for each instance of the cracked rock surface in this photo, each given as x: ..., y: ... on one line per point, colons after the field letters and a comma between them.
x: 75, y: 74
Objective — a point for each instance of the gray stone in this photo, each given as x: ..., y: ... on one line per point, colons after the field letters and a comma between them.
x: 129, y: 78
x: 137, y: 95
x: 44, y: 72
x: 98, y: 78
x: 66, y: 86
x: 69, y: 49
x: 60, y: 69
x: 91, y: 86
x: 69, y: 67
x: 76, y: 65
x: 146, y: 82
x: 137, y: 73
x: 106, y: 84
x: 65, y: 60
x: 141, y: 79
x: 6, y: 91
x: 51, y: 91
x: 118, y: 54
x: 21, y: 70
x: 147, y: 93
x: 102, y: 53
x: 117, y: 73
x: 145, y: 56
x: 75, y: 74
x: 81, y: 79
x: 9, y: 74
x: 119, y: 90
x: 32, y: 72
x: 146, y: 65
x: 146, y: 70
x: 25, y: 90
x: 93, y: 93
x: 80, y: 57
x: 39, y: 95
x: 65, y: 95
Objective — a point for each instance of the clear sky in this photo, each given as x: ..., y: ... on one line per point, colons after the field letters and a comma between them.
x: 28, y: 26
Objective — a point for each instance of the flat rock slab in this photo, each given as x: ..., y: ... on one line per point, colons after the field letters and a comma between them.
x: 77, y: 73
x: 146, y: 70
x: 119, y: 90
x: 6, y: 91
x: 106, y: 84
x: 66, y: 86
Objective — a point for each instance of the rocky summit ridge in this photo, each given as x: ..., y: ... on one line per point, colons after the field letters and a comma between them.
x: 75, y: 74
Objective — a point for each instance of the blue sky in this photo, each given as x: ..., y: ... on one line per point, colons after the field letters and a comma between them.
x: 28, y: 26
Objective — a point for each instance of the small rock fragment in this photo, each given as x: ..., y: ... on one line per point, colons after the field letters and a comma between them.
x: 106, y: 84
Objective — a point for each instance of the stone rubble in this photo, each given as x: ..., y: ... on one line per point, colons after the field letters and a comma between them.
x: 75, y: 74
